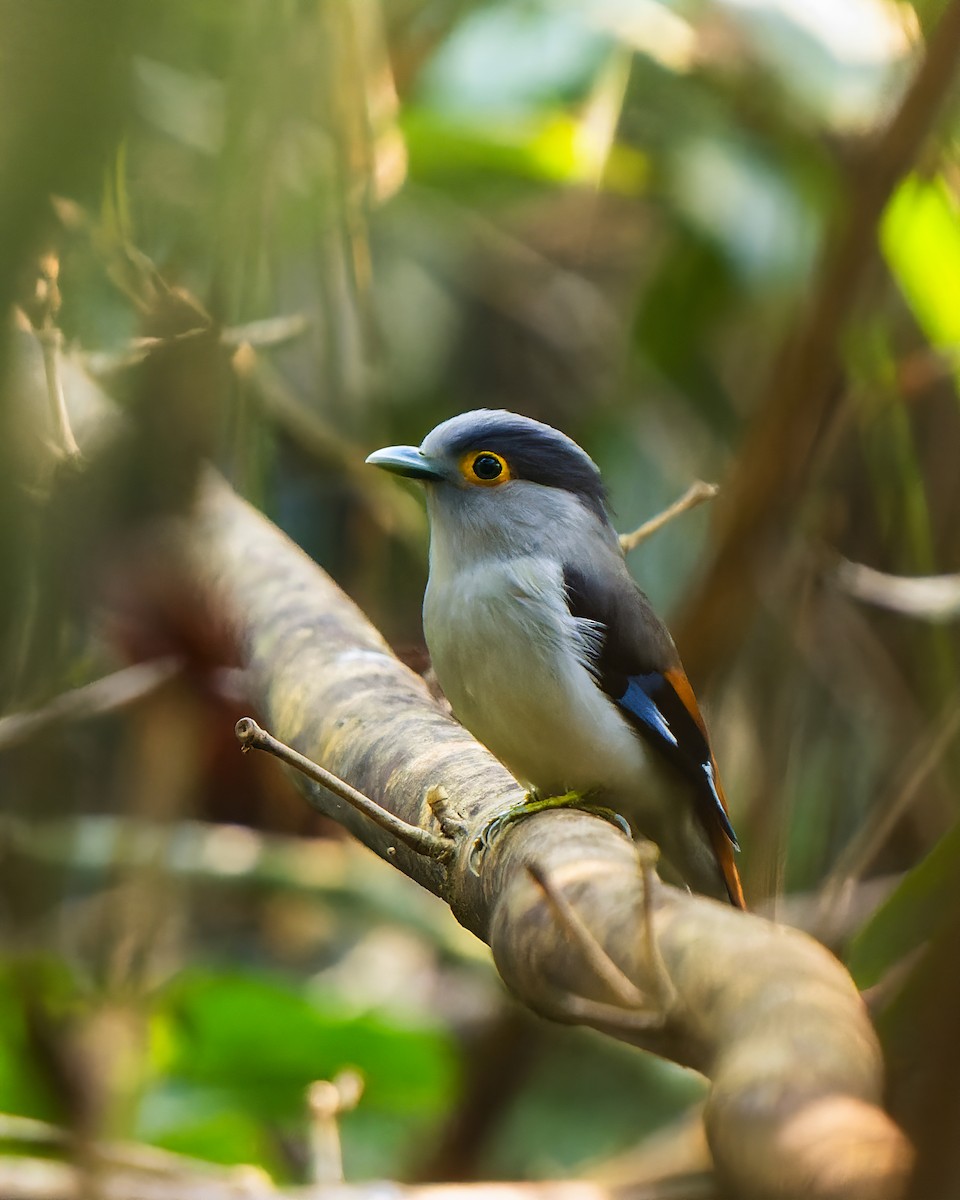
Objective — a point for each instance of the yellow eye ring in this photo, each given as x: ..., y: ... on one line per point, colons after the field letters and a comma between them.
x: 485, y: 468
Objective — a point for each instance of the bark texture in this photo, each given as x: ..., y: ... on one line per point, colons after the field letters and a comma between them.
x: 579, y: 930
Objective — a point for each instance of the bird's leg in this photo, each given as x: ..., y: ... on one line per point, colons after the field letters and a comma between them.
x: 532, y: 803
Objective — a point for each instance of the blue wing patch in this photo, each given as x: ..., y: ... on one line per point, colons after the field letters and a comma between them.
x: 638, y: 700
x: 652, y: 701
x: 636, y: 665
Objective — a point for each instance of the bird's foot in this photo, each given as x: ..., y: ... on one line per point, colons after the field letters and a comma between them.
x: 532, y: 803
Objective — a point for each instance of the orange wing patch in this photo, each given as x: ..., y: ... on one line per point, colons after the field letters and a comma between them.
x: 722, y: 849
x: 678, y: 680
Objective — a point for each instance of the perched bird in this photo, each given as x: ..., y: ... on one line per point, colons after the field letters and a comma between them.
x: 548, y: 651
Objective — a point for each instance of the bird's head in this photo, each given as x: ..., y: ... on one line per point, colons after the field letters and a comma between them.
x: 493, y: 472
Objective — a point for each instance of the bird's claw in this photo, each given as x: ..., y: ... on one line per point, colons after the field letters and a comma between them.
x: 532, y: 803
x: 496, y: 825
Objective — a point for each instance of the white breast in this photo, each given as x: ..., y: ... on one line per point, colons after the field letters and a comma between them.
x: 513, y: 664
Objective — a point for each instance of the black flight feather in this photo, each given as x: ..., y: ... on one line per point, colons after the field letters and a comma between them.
x: 635, y: 656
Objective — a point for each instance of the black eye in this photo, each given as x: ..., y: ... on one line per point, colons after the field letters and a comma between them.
x: 487, y: 466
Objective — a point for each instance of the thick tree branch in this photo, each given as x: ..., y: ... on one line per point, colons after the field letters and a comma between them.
x: 768, y: 1014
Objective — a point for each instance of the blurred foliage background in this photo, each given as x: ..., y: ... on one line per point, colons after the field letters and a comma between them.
x: 280, y: 234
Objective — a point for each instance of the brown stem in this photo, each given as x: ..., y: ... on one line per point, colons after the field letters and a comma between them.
x: 252, y: 737
x: 694, y: 496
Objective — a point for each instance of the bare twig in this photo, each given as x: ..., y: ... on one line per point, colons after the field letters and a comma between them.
x: 452, y: 824
x: 267, y: 333
x: 866, y: 844
x: 106, y: 695
x: 328, y: 1100
x: 393, y: 507
x: 611, y: 1018
x: 252, y: 737
x: 695, y: 495
x: 632, y: 1010
x: 930, y: 597
x: 132, y: 1156
x: 260, y: 335
x: 40, y: 315
x: 850, y: 910
x: 51, y: 342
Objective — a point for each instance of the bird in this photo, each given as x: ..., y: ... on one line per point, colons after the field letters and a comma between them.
x: 547, y: 649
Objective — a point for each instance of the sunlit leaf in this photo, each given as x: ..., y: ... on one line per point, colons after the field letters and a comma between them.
x: 920, y: 235
x: 552, y: 148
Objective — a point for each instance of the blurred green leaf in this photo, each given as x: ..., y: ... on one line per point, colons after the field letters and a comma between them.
x: 234, y: 1055
x: 692, y: 287
x: 910, y: 916
x: 752, y: 209
x: 22, y: 1091
x: 264, y: 1042
x: 204, y: 1123
x: 588, y: 1098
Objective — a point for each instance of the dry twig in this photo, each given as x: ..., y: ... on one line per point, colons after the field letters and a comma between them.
x: 695, y: 495
x: 109, y: 694
x: 328, y: 1100
x: 252, y: 737
x: 929, y: 597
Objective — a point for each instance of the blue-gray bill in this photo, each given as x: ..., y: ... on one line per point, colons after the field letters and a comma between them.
x: 405, y: 460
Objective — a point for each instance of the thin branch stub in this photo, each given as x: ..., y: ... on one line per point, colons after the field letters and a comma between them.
x: 627, y: 995
x: 695, y: 495
x: 252, y: 737
x: 452, y: 825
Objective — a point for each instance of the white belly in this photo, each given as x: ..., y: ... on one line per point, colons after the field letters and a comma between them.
x: 510, y: 659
